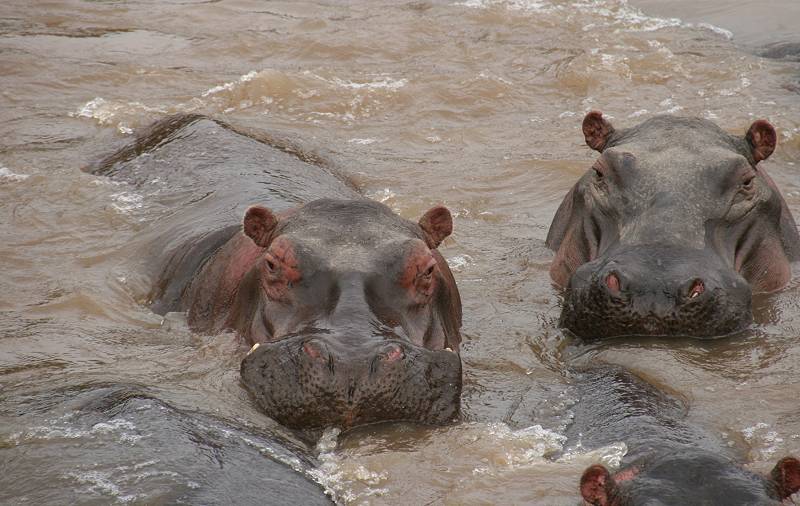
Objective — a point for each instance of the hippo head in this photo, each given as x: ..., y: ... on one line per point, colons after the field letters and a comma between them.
x: 671, y: 230
x: 353, y: 313
x: 685, y: 479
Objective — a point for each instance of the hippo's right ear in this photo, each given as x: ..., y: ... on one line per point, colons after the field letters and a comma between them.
x: 597, y: 486
x: 437, y: 223
x: 596, y: 130
x: 259, y: 224
x: 761, y: 138
x: 786, y: 475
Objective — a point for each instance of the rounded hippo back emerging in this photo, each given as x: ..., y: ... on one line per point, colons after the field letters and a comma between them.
x: 671, y: 230
x: 355, y: 312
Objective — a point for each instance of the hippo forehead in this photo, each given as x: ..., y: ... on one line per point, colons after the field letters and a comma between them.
x: 679, y: 150
x: 674, y: 173
x: 347, y: 235
x: 701, y: 479
x: 693, y: 135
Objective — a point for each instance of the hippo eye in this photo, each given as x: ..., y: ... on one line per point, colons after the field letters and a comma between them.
x: 269, y: 262
x: 748, y: 183
x: 429, y: 271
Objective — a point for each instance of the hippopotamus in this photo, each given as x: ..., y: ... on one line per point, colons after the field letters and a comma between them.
x: 120, y: 443
x: 352, y: 313
x: 671, y: 230
x: 669, y: 461
x: 690, y: 478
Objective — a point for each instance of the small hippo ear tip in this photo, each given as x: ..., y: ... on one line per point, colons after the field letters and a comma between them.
x: 596, y: 130
x: 786, y: 474
x: 762, y: 138
x: 596, y: 485
x: 437, y: 223
x: 258, y: 224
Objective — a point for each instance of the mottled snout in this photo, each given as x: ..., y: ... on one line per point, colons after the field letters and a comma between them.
x: 318, y: 381
x: 654, y: 290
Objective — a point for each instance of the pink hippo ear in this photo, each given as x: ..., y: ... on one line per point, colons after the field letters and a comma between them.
x: 596, y: 130
x: 437, y: 224
x: 598, y: 487
x: 786, y: 475
x: 762, y: 139
x: 258, y: 225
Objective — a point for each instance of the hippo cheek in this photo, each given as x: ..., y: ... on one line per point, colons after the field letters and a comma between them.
x: 307, y: 387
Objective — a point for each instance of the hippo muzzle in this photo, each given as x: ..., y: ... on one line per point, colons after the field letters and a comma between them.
x: 656, y: 291
x: 317, y: 381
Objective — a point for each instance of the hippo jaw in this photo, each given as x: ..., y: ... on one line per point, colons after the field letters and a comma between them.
x: 315, y: 382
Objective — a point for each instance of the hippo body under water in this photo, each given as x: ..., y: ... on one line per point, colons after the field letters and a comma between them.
x: 121, y: 444
x: 671, y: 230
x: 669, y: 462
x: 355, y: 313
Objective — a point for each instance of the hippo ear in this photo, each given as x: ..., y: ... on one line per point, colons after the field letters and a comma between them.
x: 597, y: 486
x: 762, y: 139
x: 786, y: 475
x: 258, y: 225
x: 596, y: 130
x: 437, y: 224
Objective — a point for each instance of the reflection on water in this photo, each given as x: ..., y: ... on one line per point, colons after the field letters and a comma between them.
x: 475, y: 104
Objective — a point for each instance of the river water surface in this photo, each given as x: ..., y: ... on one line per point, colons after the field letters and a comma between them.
x: 475, y: 104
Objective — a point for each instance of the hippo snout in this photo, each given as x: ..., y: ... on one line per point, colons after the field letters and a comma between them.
x: 655, y: 290
x: 320, y: 381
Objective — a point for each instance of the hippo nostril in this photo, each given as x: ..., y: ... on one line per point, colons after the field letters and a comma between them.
x: 392, y: 353
x: 612, y: 282
x: 697, y: 288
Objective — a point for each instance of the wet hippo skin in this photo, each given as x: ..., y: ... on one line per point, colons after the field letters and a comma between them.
x: 670, y: 462
x: 122, y: 444
x: 354, y: 312
x: 672, y: 229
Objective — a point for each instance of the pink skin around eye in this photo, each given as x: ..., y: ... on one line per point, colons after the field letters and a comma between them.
x: 419, y: 286
x: 285, y: 271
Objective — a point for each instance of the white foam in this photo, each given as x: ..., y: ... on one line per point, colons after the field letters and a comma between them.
x: 459, y: 262
x: 386, y: 83
x: 7, y: 175
x: 616, y: 13
x: 230, y: 85
x: 363, y: 141
x: 125, y: 202
x: 382, y: 196
x: 713, y: 28
x: 61, y: 429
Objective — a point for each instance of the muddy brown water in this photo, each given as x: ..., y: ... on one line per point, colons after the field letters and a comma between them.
x: 476, y: 104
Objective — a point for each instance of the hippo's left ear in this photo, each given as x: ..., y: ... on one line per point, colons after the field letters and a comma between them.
x: 258, y: 225
x: 786, y: 475
x: 761, y: 138
x: 437, y: 224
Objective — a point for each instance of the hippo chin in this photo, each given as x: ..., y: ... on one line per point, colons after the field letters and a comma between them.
x: 356, y: 313
x: 671, y: 230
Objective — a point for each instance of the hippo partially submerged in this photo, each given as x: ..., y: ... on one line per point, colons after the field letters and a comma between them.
x: 669, y: 461
x: 353, y: 312
x: 671, y: 230
x: 689, y: 479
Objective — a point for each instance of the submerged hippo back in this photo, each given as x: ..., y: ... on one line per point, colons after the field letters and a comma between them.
x: 207, y: 173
